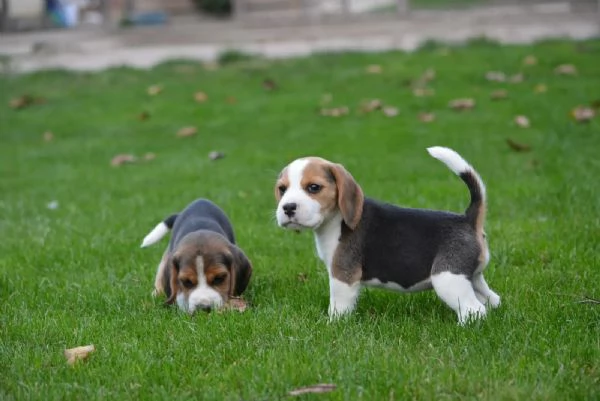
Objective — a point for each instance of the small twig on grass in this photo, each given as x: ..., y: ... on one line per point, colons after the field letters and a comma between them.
x: 588, y: 300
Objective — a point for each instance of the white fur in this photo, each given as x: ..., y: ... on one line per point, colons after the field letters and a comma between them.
x: 203, y: 296
x: 342, y: 297
x: 155, y: 235
x: 308, y: 211
x: 483, y: 292
x: 457, y: 291
x: 327, y: 239
x: 455, y: 163
x: 420, y: 286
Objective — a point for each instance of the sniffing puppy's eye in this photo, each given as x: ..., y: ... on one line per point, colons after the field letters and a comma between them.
x: 313, y: 188
x: 187, y: 283
x: 219, y: 279
x: 282, y: 189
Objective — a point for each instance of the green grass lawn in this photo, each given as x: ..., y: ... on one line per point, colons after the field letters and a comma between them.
x: 75, y: 275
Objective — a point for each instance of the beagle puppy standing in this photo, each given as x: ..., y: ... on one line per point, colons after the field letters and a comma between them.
x: 366, y: 242
x: 202, y: 267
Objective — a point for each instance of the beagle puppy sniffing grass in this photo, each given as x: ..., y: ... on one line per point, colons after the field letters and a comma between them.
x: 366, y: 242
x: 202, y: 267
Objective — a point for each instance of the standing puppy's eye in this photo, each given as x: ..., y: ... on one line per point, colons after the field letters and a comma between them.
x: 313, y: 188
x: 219, y: 279
x: 282, y: 189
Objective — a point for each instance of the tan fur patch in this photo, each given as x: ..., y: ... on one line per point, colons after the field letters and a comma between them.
x: 159, y: 285
x: 317, y: 172
x: 282, y: 180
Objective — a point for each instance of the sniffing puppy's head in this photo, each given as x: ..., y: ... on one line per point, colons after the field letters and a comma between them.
x: 311, y: 190
x: 205, y: 270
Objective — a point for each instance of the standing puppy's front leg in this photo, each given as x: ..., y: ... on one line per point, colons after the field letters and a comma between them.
x: 342, y: 297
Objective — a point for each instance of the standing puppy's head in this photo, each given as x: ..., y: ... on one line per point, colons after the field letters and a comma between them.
x: 311, y: 190
x: 205, y: 270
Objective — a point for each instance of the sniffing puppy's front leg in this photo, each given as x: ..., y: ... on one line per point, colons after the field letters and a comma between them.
x: 342, y: 297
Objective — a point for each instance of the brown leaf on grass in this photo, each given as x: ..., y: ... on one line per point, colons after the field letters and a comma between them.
x: 326, y: 98
x: 462, y: 104
x: 428, y: 75
x: 269, y: 85
x: 335, y: 111
x: 583, y: 113
x: 231, y: 100
x: 48, y: 136
x: 517, y: 78
x: 426, y: 117
x: 374, y: 69
x: 78, y: 353
x: 596, y: 104
x: 121, y: 159
x: 390, y: 111
x: 530, y: 60
x: 589, y: 300
x: 495, y: 76
x: 187, y: 132
x: 423, y: 92
x: 149, y: 156
x: 499, y: 94
x: 236, y: 304
x: 540, y: 88
x: 302, y: 277
x: 317, y: 388
x: 522, y: 121
x: 215, y: 155
x: 371, y: 105
x: 143, y: 116
x: 200, y: 97
x: 154, y: 90
x: 566, y: 69
x: 517, y: 147
x: 24, y: 101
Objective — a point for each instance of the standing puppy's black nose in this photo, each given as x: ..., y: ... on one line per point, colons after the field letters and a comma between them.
x: 290, y: 209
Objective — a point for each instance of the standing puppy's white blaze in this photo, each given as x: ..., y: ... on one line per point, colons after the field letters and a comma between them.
x: 458, y: 293
x: 308, y: 210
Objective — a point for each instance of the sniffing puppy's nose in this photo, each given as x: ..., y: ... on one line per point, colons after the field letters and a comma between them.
x: 205, y: 308
x: 290, y: 209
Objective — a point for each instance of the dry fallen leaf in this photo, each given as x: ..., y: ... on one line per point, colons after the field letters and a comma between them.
x: 78, y: 353
x: 122, y: 159
x: 426, y: 117
x: 566, y: 69
x: 200, y: 97
x: 522, y: 121
x: 143, y: 116
x: 149, y: 156
x: 423, y: 92
x: 48, y: 136
x: 583, y: 113
x: 495, y: 76
x: 596, y: 104
x: 154, y: 90
x: 530, y: 60
x: 302, y: 277
x: 462, y: 104
x: 215, y: 155
x: 25, y: 101
x: 371, y: 105
x: 237, y: 304
x: 518, y: 147
x: 517, y: 78
x: 317, y: 388
x: 326, y: 98
x: 231, y: 100
x: 540, y: 88
x: 269, y: 85
x: 499, y: 94
x: 374, y: 69
x: 390, y: 111
x: 187, y: 131
x: 335, y: 111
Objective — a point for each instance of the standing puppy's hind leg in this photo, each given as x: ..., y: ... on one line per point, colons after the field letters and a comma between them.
x: 457, y: 292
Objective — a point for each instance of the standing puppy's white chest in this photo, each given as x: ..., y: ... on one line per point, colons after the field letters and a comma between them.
x: 327, y: 239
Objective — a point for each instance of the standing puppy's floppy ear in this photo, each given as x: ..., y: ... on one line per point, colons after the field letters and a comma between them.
x: 171, y: 273
x: 241, y: 271
x: 350, y: 196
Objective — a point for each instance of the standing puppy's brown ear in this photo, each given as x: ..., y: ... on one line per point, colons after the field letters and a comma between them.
x: 241, y: 271
x: 171, y: 273
x: 350, y: 196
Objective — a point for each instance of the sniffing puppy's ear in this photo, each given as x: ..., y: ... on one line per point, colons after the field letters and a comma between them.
x: 241, y: 271
x: 172, y: 270
x: 350, y: 196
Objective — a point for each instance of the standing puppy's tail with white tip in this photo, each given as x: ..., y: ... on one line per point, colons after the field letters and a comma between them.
x: 159, y: 231
x: 476, y: 211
